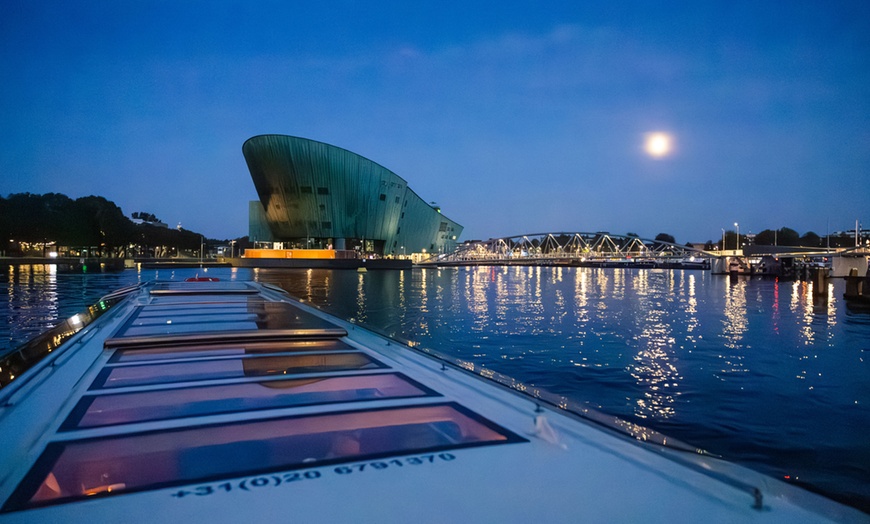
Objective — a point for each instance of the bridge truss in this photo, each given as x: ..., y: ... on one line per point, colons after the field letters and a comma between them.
x: 566, y: 247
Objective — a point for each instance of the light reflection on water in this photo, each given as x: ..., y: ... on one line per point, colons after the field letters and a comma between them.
x: 38, y: 297
x: 767, y: 373
x: 760, y: 371
x: 34, y: 302
x: 734, y: 325
x: 653, y: 368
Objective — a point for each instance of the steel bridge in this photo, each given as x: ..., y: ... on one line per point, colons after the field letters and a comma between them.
x: 572, y: 248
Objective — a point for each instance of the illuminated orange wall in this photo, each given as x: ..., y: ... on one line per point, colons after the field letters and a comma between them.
x: 289, y: 253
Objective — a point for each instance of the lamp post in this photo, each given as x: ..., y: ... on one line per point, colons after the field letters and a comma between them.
x: 737, y: 247
x: 723, y: 240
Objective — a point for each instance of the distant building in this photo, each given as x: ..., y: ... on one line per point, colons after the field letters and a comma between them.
x: 140, y: 218
x: 860, y: 234
x: 315, y: 195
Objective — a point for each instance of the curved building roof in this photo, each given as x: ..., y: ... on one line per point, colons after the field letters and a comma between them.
x: 310, y: 189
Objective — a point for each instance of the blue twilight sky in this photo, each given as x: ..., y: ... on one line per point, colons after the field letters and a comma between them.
x: 523, y: 118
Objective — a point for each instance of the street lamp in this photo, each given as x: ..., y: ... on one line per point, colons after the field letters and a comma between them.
x: 737, y: 247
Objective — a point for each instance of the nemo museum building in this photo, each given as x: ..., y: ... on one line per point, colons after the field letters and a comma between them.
x: 321, y: 201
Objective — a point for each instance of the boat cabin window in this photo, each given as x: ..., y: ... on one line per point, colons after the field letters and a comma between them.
x: 202, y: 300
x: 75, y: 469
x: 144, y: 406
x: 163, y: 373
x: 222, y: 350
x: 193, y: 318
x: 201, y: 288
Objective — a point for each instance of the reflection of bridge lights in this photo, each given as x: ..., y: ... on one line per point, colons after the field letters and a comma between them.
x: 476, y: 285
x: 735, y: 326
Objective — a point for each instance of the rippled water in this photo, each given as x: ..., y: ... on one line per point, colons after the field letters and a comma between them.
x: 765, y: 373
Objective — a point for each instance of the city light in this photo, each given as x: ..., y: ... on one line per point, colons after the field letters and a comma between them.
x: 738, y: 235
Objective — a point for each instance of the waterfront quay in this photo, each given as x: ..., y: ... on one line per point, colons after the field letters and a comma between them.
x: 104, y: 264
x: 69, y: 264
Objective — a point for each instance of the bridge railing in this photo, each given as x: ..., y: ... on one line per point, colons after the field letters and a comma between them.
x: 569, y: 246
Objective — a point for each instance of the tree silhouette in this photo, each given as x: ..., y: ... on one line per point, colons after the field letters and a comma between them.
x: 90, y: 222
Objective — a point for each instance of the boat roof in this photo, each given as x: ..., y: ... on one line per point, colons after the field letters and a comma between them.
x: 231, y: 401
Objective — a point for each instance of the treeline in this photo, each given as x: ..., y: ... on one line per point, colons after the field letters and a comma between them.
x: 789, y: 237
x: 91, y: 222
x: 786, y: 237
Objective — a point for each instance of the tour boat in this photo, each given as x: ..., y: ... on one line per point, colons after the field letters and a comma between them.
x: 233, y: 402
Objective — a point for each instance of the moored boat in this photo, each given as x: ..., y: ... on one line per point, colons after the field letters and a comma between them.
x: 231, y: 401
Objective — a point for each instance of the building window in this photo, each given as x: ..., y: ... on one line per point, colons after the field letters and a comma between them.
x: 399, y: 230
x: 326, y: 225
x: 383, y: 197
x: 442, y: 227
x: 305, y: 190
x: 322, y: 190
x: 397, y: 200
x: 403, y: 215
x: 323, y: 207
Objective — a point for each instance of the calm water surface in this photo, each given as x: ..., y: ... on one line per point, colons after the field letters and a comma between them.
x: 763, y: 372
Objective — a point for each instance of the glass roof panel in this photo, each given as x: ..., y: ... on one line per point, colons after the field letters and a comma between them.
x: 123, y: 463
x: 142, y: 406
x: 251, y: 317
x: 200, y: 288
x: 220, y: 350
x: 162, y: 373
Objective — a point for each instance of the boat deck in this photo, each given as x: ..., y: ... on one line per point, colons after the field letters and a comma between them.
x: 231, y: 402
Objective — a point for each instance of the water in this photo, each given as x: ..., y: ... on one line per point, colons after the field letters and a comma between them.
x: 762, y: 372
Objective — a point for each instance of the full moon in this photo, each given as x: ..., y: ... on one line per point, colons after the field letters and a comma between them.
x: 658, y: 144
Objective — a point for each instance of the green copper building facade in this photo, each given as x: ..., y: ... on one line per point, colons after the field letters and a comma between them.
x: 314, y: 194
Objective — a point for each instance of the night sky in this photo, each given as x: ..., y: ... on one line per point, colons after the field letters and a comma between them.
x: 523, y: 118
